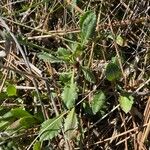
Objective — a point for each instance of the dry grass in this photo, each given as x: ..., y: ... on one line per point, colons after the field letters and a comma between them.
x: 45, y: 26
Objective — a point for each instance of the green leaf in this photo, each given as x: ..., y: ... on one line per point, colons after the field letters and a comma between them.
x: 25, y: 122
x: 113, y: 72
x: 3, y: 95
x: 69, y: 95
x: 28, y: 121
x: 87, y: 108
x: 3, y: 125
x: 119, y: 40
x: 11, y: 90
x: 87, y: 25
x: 50, y: 128
x: 98, y: 102
x: 6, y: 116
x: 116, y: 61
x: 39, y: 116
x: 77, y: 51
x: 48, y: 57
x: 11, y: 145
x: 71, y: 124
x: 20, y: 113
x: 88, y: 74
x: 65, y: 77
x: 37, y: 145
x: 15, y: 125
x: 64, y: 54
x: 126, y: 102
x: 110, y: 36
x: 74, y: 46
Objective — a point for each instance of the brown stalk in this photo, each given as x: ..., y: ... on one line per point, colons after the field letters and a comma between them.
x: 117, y: 51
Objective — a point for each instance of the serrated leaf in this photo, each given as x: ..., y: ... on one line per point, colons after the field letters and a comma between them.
x: 65, y: 77
x: 77, y: 51
x: 126, y: 102
x: 11, y: 90
x: 88, y: 74
x: 50, y: 128
x: 98, y: 101
x: 48, y: 57
x: 119, y: 40
x: 87, y: 25
x: 63, y: 54
x: 69, y: 95
x: 71, y: 124
x: 20, y: 113
x: 113, y: 72
x: 37, y: 145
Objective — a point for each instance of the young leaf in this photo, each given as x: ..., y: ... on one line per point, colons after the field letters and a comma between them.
x: 50, y: 128
x: 37, y: 145
x: 89, y: 76
x: 71, y: 123
x: 48, y: 57
x: 126, y: 102
x: 110, y: 36
x: 11, y: 90
x: 98, y: 102
x: 87, y: 25
x: 69, y: 95
x: 63, y: 54
x: 119, y: 40
x: 113, y: 72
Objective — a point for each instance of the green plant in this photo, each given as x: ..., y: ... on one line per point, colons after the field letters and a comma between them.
x: 72, y: 72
